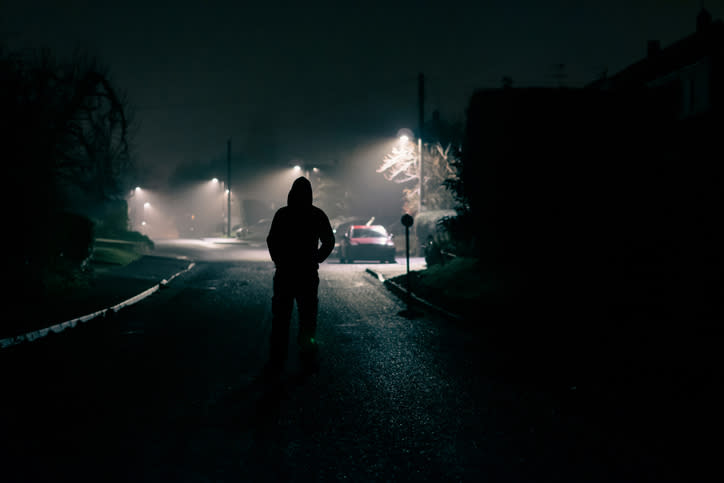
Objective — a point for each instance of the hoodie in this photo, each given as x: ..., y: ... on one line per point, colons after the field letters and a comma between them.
x: 297, y: 230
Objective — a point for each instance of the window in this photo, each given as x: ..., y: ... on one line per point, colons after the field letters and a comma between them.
x: 368, y: 233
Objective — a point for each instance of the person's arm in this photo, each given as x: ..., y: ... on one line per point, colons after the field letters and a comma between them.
x: 272, y: 242
x: 326, y: 236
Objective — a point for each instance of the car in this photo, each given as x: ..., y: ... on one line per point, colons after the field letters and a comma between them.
x: 366, y: 242
x: 257, y: 231
x: 239, y: 231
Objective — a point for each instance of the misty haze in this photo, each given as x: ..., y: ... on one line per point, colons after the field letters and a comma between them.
x: 408, y: 241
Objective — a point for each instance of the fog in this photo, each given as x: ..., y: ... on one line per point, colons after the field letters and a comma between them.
x: 194, y: 202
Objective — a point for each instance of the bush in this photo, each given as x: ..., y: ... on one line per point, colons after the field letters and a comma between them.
x: 427, y: 228
x: 113, y: 223
x: 70, y: 237
x: 112, y: 220
x: 138, y: 238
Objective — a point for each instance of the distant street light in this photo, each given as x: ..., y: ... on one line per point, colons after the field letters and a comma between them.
x: 304, y: 168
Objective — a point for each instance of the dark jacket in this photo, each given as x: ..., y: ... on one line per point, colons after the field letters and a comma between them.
x: 297, y: 230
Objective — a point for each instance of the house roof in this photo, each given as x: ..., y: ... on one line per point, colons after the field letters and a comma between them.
x: 707, y: 41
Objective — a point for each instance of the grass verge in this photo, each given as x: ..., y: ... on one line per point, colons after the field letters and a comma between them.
x: 115, y: 255
x: 458, y: 286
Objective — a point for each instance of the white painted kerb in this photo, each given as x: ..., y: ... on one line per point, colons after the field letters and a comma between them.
x: 58, y: 328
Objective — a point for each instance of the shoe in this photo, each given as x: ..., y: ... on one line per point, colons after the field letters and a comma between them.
x: 308, y: 347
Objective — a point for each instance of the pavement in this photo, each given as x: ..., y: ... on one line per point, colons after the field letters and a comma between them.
x: 109, y: 290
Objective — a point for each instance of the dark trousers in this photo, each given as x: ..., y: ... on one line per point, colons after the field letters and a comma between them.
x: 291, y: 285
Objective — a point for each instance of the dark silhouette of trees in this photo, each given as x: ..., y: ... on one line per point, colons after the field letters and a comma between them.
x: 64, y: 128
x: 67, y: 124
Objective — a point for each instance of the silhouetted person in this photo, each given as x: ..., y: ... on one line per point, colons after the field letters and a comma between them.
x: 294, y: 245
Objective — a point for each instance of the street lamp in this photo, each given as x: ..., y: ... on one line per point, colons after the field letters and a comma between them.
x: 135, y: 205
x: 146, y: 206
x: 304, y: 168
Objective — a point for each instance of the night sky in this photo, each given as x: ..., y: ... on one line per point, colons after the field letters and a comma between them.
x: 325, y: 80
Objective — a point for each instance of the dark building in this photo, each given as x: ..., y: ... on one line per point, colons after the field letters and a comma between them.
x: 681, y: 89
x: 613, y: 190
x: 540, y: 168
x: 688, y: 75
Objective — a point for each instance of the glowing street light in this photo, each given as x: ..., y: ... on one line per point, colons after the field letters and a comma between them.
x: 305, y: 169
x: 404, y: 138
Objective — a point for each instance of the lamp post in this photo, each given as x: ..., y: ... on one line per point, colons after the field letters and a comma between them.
x: 215, y: 181
x: 304, y: 169
x: 135, y: 206
x: 410, y: 312
x: 228, y: 188
x: 146, y: 206
x: 422, y: 184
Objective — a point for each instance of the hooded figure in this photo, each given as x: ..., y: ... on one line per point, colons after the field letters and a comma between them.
x: 297, y: 229
x: 294, y: 245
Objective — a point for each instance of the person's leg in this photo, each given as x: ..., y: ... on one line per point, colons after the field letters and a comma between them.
x: 307, y: 303
x: 282, y: 305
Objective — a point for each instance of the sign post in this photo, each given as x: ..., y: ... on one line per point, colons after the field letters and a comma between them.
x: 407, y: 221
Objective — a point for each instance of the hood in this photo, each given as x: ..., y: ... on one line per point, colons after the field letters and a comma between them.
x: 301, y: 193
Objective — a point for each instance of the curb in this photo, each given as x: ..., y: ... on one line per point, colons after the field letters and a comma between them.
x: 69, y: 324
x: 401, y: 292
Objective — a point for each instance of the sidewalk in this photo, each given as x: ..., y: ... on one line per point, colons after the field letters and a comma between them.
x: 394, y: 278
x: 107, y: 287
x: 391, y: 270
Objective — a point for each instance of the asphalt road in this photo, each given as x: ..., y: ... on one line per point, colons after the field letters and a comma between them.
x: 170, y: 390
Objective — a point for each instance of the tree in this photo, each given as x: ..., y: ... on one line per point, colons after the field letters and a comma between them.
x: 64, y: 130
x: 402, y: 165
x: 439, y: 169
x: 66, y: 126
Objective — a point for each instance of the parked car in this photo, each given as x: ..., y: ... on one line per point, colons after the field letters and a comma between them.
x: 366, y: 242
x: 254, y: 232
x: 239, y: 231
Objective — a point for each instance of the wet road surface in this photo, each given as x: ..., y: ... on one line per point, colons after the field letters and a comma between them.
x: 170, y: 390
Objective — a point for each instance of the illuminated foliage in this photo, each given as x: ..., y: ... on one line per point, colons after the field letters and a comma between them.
x: 402, y: 165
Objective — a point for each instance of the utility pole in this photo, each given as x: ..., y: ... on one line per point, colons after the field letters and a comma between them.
x: 421, y: 123
x: 228, y: 187
x: 421, y: 102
